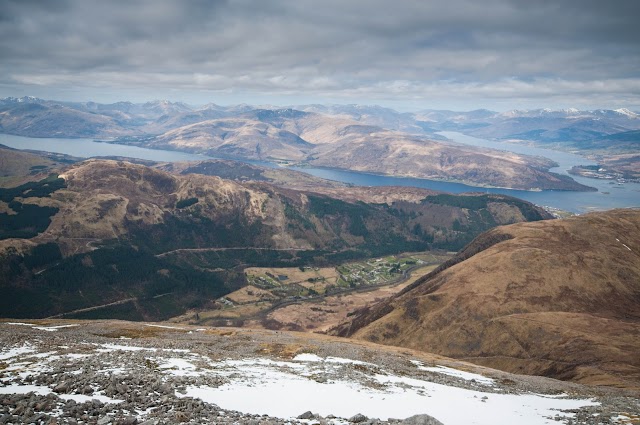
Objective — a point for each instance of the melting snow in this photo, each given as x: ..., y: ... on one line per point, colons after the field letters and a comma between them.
x: 179, y: 367
x: 24, y: 389
x: 276, y: 388
x: 176, y: 350
x: 53, y: 328
x: 14, y: 352
x: 42, y: 328
x: 308, y: 357
x: 80, y: 398
x: 115, y: 347
x: 48, y: 355
x: 77, y: 355
x: 623, y: 244
x: 114, y: 371
x: 467, y: 376
x: 287, y: 388
x: 165, y: 327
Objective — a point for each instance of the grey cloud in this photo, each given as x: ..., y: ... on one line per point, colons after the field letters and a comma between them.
x: 332, y: 48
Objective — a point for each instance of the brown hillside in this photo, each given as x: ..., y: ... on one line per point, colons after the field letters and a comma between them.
x: 346, y: 144
x: 18, y: 167
x: 109, y: 231
x: 557, y: 298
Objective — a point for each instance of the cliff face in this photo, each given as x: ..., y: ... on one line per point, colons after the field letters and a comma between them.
x: 559, y: 298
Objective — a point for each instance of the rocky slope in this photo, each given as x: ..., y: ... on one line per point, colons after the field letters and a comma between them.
x: 558, y: 298
x: 108, y: 372
x: 111, y: 232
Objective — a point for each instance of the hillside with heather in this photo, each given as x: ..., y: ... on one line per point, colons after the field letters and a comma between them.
x: 557, y: 298
x: 117, y: 234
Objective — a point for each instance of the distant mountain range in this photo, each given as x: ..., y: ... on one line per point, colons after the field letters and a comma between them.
x: 159, y: 111
x: 360, y: 138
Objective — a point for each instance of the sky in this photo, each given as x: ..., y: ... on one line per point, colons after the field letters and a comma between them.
x: 404, y: 54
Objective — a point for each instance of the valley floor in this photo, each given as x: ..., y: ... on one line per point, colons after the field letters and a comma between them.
x: 123, y: 372
x: 313, y: 299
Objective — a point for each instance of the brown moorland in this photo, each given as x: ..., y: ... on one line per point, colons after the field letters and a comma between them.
x: 557, y: 298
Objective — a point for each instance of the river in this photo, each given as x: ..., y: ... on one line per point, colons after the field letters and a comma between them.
x: 609, y: 195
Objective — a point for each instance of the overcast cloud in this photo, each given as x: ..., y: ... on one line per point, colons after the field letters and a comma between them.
x: 457, y: 54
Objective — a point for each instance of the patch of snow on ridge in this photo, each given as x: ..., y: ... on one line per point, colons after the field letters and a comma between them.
x: 19, y: 324
x: 80, y: 398
x: 255, y: 367
x: 17, y: 351
x: 53, y: 328
x: 116, y: 347
x: 178, y: 367
x: 164, y: 327
x: 625, y: 111
x: 42, y: 328
x: 308, y: 357
x: 467, y: 376
x: 340, y: 360
x: 24, y: 389
x: 452, y: 405
x: 275, y: 388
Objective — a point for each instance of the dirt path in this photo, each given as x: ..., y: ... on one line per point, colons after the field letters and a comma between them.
x: 98, y: 307
x: 95, y: 307
x: 226, y: 249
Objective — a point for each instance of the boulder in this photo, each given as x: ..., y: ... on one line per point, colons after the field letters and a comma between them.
x: 421, y: 420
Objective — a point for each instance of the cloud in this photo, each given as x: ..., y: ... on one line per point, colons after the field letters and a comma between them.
x: 357, y: 51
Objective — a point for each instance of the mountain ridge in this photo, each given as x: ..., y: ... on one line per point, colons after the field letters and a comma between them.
x: 371, y: 139
x: 88, y: 228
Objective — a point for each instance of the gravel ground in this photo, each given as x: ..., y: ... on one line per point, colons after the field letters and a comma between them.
x: 112, y: 372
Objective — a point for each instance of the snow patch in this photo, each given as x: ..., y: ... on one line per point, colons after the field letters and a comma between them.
x: 81, y: 398
x: 307, y: 357
x: 625, y: 111
x: 164, y: 327
x: 313, y: 358
x: 17, y: 351
x: 77, y: 355
x: 24, y: 389
x: 53, y: 328
x: 114, y: 371
x: 178, y: 367
x: 265, y: 387
x: 176, y: 350
x: 116, y: 347
x: 467, y: 376
x: 41, y: 328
